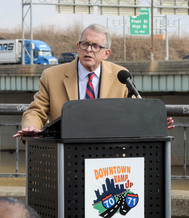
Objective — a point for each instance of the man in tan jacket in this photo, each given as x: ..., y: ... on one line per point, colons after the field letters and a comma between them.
x: 68, y: 81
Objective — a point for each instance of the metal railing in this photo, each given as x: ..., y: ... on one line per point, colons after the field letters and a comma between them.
x: 16, y: 174
x: 18, y: 109
x: 13, y: 109
x: 184, y: 176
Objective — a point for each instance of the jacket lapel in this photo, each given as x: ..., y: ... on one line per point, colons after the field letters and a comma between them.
x: 71, y: 83
x: 107, y: 78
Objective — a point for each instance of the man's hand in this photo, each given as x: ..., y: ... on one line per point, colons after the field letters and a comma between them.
x: 170, y: 122
x: 28, y: 131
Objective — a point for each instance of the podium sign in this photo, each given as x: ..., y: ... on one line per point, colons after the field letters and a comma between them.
x: 114, y: 187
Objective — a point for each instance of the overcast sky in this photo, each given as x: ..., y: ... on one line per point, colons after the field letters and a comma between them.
x: 11, y: 16
x: 45, y: 15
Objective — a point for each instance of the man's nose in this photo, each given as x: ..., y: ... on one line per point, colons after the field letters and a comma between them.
x: 89, y: 48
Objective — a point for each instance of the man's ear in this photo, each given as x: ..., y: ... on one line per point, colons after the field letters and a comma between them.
x: 77, y: 46
x: 107, y: 54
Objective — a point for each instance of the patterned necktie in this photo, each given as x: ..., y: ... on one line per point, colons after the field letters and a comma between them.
x: 90, y: 89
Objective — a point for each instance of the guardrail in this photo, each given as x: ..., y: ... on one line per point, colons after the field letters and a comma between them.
x: 18, y: 109
x: 13, y: 109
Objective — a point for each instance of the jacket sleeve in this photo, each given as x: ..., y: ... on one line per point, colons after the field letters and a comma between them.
x: 37, y: 113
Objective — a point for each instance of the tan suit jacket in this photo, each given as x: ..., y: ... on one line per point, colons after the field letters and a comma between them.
x: 59, y: 84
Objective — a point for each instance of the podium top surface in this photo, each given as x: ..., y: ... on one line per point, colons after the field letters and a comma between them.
x: 113, y: 118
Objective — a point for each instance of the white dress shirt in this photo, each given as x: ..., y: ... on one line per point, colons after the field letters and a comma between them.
x: 83, y: 80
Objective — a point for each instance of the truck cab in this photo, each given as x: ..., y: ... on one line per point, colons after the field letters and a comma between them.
x: 42, y: 53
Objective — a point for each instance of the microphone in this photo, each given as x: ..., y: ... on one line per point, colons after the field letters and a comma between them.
x: 125, y: 78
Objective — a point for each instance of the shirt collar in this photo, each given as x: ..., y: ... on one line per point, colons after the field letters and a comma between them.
x: 83, y: 72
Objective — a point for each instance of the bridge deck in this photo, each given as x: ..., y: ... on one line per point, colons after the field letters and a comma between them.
x: 148, y: 76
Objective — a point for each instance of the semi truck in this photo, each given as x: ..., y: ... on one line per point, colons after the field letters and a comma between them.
x: 11, y: 52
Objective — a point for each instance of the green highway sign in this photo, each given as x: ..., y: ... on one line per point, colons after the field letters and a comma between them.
x: 139, y: 25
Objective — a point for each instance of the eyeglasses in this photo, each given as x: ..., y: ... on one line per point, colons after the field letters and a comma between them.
x: 94, y: 47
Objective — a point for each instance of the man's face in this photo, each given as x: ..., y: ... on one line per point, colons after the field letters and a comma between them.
x: 89, y: 59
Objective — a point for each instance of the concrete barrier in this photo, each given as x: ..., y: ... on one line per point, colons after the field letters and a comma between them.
x: 14, y: 192
x: 157, y: 67
x: 180, y: 203
x: 135, y: 67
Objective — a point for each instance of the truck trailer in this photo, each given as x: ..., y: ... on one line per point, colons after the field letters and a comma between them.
x: 11, y: 52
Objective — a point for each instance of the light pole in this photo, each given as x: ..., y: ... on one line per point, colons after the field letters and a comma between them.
x: 152, y: 34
